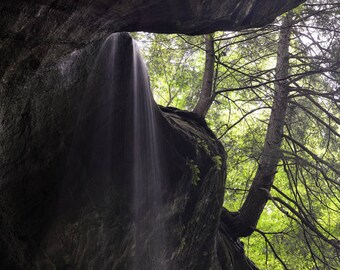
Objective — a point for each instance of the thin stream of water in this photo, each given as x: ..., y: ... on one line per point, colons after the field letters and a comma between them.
x: 114, y: 175
x: 120, y: 83
x: 147, y: 170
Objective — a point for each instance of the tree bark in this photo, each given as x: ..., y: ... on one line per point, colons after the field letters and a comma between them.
x: 206, y: 98
x: 251, y: 210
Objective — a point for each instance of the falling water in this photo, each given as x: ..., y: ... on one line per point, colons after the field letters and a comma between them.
x: 119, y: 91
x: 147, y: 171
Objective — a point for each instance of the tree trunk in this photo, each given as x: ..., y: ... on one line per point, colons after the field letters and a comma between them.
x: 206, y: 98
x: 256, y: 200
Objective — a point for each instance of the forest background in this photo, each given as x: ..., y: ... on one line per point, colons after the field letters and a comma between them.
x: 272, y: 96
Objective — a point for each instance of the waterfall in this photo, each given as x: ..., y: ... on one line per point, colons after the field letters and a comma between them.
x: 147, y: 175
x: 119, y: 104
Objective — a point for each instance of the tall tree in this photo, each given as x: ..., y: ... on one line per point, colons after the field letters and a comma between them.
x: 257, y: 197
x: 206, y: 96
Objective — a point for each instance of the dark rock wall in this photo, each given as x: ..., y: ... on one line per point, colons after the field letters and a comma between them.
x: 37, y: 33
x: 34, y: 144
x: 59, y: 210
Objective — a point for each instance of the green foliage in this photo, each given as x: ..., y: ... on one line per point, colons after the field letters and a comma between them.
x: 307, y: 178
x: 195, y: 171
x: 218, y: 161
x: 203, y: 144
x: 175, y: 68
